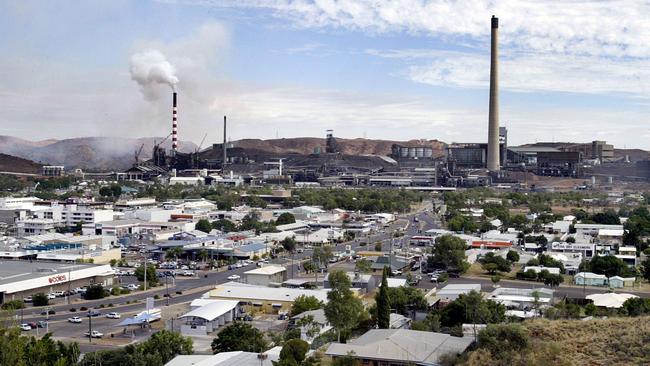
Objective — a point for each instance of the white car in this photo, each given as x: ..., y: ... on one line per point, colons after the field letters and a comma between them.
x: 75, y: 320
x: 25, y: 327
x: 234, y: 277
x: 132, y: 286
x: 94, y: 334
x: 51, y: 296
x: 59, y: 293
x: 113, y: 315
x: 188, y: 273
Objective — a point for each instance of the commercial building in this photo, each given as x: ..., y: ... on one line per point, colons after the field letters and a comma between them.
x: 19, y: 279
x: 256, y: 299
x: 207, y: 316
x: 266, y: 276
x: 522, y: 298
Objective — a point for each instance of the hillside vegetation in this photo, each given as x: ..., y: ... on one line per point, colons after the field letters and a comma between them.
x: 614, y: 341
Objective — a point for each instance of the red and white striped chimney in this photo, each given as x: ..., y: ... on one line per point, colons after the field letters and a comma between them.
x: 174, y: 126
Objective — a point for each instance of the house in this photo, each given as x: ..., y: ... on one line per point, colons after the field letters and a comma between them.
x: 364, y: 282
x: 319, y: 326
x: 620, y: 282
x: 590, y: 279
x: 266, y: 276
x: 236, y: 358
x: 610, y: 300
x: 399, y: 347
x: 522, y: 298
x: 451, y: 292
x: 393, y: 262
x: 399, y: 321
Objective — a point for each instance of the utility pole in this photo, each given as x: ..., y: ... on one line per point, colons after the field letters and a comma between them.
x: 90, y: 328
x: 167, y: 288
x: 145, y: 272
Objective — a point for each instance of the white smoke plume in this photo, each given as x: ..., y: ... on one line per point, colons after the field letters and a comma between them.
x: 150, y: 69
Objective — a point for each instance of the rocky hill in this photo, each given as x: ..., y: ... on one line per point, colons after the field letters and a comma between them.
x: 115, y: 153
x: 88, y: 153
x: 307, y: 145
x: 14, y: 164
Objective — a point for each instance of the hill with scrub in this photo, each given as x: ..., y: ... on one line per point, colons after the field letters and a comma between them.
x: 613, y: 341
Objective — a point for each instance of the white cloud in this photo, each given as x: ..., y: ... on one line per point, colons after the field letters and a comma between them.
x: 552, y: 45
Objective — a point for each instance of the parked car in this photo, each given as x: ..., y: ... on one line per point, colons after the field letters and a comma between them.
x: 75, y: 320
x: 59, y: 293
x: 396, y: 272
x: 25, y: 326
x: 188, y: 273
x: 28, y: 299
x: 33, y: 325
x: 51, y: 296
x: 234, y: 277
x: 94, y: 334
x: 113, y: 315
x: 41, y: 324
x: 131, y: 287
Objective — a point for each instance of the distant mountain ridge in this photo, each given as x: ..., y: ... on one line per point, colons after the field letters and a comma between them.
x: 117, y: 153
x: 88, y: 153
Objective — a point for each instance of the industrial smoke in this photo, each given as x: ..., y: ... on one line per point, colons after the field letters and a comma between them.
x: 150, y: 68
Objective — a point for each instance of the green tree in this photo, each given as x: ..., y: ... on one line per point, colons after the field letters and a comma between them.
x: 347, y: 360
x: 383, y: 302
x: 285, y: 218
x: 304, y: 303
x: 152, y: 278
x: 95, y: 292
x: 239, y: 337
x: 224, y: 225
x: 204, y: 225
x: 293, y: 352
x: 344, y: 309
x: 363, y: 265
x: 40, y: 299
x: 607, y: 265
x: 512, y: 256
x: 645, y: 269
x: 168, y: 345
x: 289, y: 244
x: 449, y: 253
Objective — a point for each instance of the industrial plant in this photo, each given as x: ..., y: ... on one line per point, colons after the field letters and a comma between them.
x: 419, y: 165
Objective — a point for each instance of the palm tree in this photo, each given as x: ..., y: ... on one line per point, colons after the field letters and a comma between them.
x: 173, y: 253
x: 203, y: 254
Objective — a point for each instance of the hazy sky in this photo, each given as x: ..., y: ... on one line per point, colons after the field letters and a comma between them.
x: 403, y: 69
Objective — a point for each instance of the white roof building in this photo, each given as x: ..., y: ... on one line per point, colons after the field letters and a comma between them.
x: 610, y: 300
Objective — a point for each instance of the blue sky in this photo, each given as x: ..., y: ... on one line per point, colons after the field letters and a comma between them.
x: 393, y: 70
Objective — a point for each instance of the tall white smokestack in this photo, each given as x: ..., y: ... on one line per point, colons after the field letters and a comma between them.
x: 493, y: 163
x: 174, y: 125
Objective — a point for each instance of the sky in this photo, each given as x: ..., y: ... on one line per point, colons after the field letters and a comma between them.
x: 403, y: 69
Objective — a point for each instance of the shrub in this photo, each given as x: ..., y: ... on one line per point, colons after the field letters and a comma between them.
x: 40, y: 299
x: 13, y: 305
x: 156, y: 296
